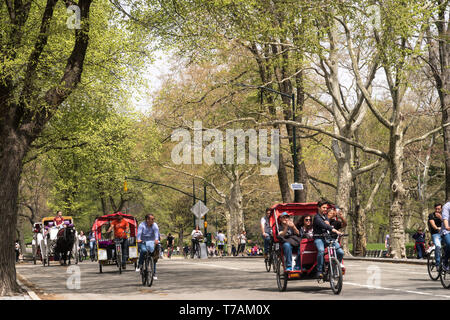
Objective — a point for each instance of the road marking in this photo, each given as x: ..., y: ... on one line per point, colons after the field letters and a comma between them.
x: 394, y: 289
x: 217, y: 266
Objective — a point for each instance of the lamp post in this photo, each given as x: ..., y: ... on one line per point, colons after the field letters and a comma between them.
x: 294, y: 137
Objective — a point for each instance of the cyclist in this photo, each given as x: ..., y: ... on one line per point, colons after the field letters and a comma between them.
x: 434, y: 226
x: 220, y: 242
x: 170, y: 239
x: 121, y: 231
x: 266, y: 232
x: 321, y: 225
x: 147, y: 239
x: 445, y: 234
x: 196, y: 236
x: 82, y: 241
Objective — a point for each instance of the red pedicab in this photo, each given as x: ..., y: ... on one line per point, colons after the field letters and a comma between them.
x: 109, y: 251
x: 333, y: 272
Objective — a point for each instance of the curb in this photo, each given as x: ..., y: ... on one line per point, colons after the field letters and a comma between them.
x: 30, y: 292
x: 388, y: 260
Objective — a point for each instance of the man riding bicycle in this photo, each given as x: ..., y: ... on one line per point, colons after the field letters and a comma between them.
x: 197, y: 235
x: 170, y: 239
x: 322, y: 225
x: 121, y: 231
x: 434, y: 226
x: 266, y: 231
x: 445, y: 234
x: 147, y: 239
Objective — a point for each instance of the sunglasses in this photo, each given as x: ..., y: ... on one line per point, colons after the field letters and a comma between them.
x: 307, y: 219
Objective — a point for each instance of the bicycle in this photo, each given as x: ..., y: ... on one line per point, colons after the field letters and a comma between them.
x: 272, y: 257
x: 433, y: 271
x: 195, y: 252
x: 148, y: 269
x: 169, y: 251
x: 332, y: 269
x: 82, y: 254
x: 118, y: 247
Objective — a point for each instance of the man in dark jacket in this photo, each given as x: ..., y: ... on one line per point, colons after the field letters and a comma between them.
x: 322, y: 225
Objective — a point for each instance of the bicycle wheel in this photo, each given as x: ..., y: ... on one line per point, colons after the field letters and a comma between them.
x: 268, y: 262
x: 275, y: 259
x: 335, y: 276
x: 119, y: 258
x: 151, y: 271
x: 445, y: 277
x: 433, y: 271
x: 144, y: 272
x: 197, y: 251
x: 281, y: 276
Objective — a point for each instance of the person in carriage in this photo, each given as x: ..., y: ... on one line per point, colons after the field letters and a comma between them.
x: 290, y: 238
x: 58, y: 221
x: 321, y: 225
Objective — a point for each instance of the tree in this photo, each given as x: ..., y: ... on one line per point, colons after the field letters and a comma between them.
x: 41, y: 68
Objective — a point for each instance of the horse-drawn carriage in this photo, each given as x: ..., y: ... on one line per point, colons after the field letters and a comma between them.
x: 333, y: 272
x: 109, y: 251
x: 58, y: 242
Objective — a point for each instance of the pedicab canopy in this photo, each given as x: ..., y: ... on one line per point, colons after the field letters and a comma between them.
x: 101, y: 221
x: 293, y: 209
x: 48, y: 221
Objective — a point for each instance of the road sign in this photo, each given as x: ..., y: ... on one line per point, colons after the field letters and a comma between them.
x: 297, y: 186
x: 199, y: 209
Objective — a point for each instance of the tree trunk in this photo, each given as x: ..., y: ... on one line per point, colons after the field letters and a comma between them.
x: 12, y: 154
x: 398, y: 194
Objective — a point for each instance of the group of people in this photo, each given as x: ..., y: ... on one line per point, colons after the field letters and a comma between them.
x: 439, y: 227
x: 328, y: 220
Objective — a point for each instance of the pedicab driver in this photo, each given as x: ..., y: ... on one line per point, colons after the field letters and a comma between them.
x: 148, y: 239
x: 266, y: 231
x: 121, y: 232
x: 322, y: 225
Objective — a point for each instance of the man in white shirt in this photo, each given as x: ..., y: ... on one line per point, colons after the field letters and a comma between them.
x: 196, y: 236
x: 220, y: 242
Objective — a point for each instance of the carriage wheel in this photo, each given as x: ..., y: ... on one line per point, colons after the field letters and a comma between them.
x: 335, y: 276
x: 433, y: 271
x: 281, y: 277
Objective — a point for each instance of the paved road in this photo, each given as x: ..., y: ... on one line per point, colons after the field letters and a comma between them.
x: 227, y: 279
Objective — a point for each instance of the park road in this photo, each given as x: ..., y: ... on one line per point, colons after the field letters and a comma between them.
x: 226, y: 279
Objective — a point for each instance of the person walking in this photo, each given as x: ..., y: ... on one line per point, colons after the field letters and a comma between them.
x: 419, y: 246
x: 242, y: 238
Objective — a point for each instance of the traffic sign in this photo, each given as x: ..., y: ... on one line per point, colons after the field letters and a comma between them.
x: 199, y: 209
x: 297, y: 186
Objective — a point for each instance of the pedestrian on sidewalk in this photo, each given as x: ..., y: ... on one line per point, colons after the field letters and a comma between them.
x: 419, y: 246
